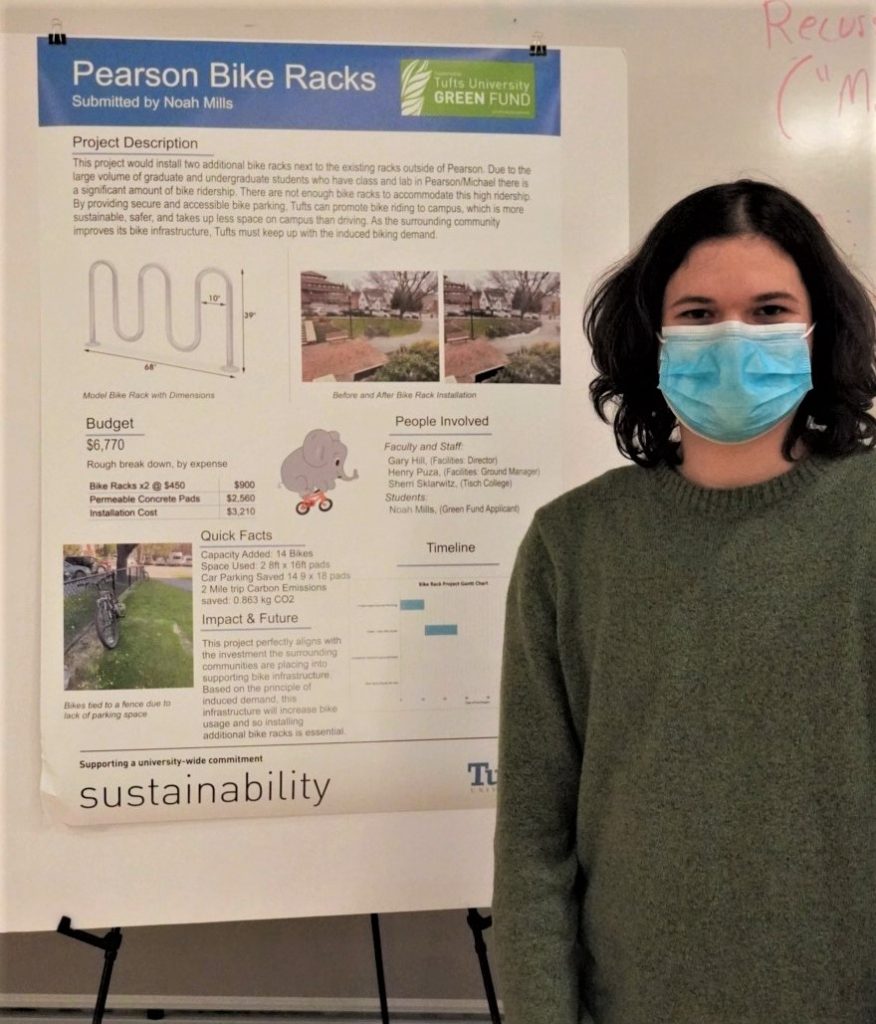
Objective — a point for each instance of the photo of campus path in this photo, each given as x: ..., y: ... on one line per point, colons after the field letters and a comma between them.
x: 502, y: 327
x: 379, y: 325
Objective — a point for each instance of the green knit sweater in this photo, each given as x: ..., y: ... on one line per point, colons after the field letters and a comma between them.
x: 687, y: 770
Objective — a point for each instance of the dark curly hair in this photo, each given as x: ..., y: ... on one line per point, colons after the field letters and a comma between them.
x: 623, y: 317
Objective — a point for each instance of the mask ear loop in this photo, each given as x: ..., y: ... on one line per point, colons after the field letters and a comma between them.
x: 675, y: 433
x: 819, y: 428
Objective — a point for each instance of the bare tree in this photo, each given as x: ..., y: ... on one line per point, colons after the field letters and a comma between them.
x: 406, y: 287
x: 527, y: 288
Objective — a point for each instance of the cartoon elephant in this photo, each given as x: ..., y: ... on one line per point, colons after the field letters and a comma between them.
x: 316, y: 464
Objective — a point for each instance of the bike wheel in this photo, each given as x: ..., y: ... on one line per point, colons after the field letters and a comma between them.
x: 107, y: 625
x: 325, y: 504
x: 302, y: 508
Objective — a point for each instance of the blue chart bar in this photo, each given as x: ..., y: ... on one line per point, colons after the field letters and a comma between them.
x: 422, y: 651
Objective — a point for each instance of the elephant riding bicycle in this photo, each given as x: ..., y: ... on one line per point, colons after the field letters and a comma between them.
x: 313, y: 469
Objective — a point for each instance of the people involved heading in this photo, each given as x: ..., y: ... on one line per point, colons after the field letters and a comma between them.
x: 686, y: 826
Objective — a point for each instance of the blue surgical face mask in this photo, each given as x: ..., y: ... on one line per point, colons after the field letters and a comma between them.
x: 731, y: 382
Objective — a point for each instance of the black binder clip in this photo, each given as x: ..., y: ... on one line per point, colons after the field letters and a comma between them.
x: 57, y: 36
x: 538, y: 47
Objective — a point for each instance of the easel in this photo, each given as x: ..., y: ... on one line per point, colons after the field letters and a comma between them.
x: 111, y: 942
x: 478, y: 924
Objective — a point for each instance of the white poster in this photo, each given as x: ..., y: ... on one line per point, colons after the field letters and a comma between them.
x: 311, y: 357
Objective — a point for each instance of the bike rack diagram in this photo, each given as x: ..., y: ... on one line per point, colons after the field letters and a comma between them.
x: 229, y: 365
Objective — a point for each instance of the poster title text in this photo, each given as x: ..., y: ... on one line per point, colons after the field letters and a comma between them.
x: 222, y: 75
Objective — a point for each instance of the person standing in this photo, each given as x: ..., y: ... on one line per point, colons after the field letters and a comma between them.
x: 686, y: 827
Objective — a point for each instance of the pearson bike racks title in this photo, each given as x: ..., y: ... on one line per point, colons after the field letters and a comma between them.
x: 328, y: 86
x: 222, y: 75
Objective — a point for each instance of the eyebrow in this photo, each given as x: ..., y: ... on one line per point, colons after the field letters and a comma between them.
x: 769, y: 296
x: 704, y: 300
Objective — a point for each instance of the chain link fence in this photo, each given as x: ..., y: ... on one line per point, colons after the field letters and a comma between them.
x: 80, y: 598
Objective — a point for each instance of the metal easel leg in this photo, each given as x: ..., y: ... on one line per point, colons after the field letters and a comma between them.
x: 110, y: 944
x: 378, y: 961
x: 479, y: 925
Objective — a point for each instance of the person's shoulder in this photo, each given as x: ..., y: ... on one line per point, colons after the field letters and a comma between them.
x: 855, y: 470
x: 864, y: 461
x: 851, y: 484
x: 583, y: 521
x: 607, y: 487
x: 603, y: 492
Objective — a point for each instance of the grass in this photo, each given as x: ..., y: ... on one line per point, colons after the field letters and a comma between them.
x: 389, y: 327
x: 155, y: 642
x: 482, y: 325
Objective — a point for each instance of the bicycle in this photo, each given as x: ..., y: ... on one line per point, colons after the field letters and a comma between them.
x: 108, y: 611
x: 322, y: 501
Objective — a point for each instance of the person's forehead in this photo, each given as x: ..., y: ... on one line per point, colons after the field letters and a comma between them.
x: 742, y: 261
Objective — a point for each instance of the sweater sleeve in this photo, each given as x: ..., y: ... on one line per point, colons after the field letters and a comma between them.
x: 537, y: 888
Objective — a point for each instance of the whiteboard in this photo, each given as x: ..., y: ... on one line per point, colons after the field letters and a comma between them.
x: 716, y: 91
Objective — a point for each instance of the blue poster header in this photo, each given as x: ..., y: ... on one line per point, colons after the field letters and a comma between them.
x: 179, y: 83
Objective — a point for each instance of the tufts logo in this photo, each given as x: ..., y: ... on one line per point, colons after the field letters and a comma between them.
x: 415, y: 78
x: 482, y: 775
x: 467, y: 88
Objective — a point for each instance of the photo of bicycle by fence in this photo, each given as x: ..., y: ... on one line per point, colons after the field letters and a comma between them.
x: 128, y: 616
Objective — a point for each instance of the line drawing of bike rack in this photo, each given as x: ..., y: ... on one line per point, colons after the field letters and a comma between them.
x: 93, y: 343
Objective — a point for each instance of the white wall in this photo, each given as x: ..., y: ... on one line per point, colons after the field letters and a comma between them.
x: 715, y: 93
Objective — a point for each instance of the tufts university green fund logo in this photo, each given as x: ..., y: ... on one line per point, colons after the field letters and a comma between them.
x: 467, y: 88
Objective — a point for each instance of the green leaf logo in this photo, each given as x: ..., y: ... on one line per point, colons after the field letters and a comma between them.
x: 415, y: 78
x: 468, y: 88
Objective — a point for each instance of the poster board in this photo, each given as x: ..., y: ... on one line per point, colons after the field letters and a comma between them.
x: 224, y: 313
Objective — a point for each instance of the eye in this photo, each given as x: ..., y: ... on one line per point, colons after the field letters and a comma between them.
x: 697, y: 313
x: 772, y: 310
